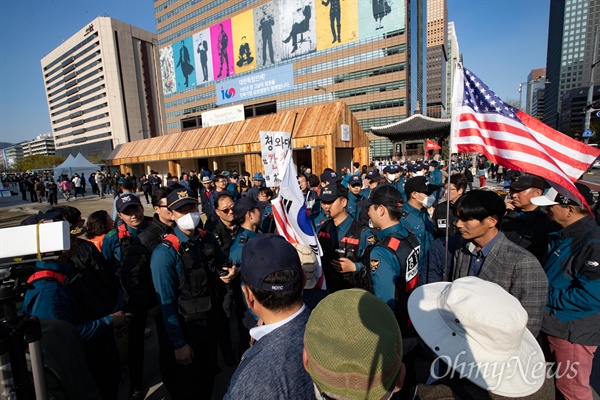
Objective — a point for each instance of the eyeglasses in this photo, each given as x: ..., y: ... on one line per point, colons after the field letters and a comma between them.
x: 225, y: 210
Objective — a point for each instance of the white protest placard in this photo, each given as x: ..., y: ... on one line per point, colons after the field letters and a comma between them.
x: 274, y: 146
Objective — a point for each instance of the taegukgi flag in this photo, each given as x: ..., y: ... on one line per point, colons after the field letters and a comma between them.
x: 291, y: 219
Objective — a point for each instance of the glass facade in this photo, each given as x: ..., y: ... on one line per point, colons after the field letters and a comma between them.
x: 206, y: 47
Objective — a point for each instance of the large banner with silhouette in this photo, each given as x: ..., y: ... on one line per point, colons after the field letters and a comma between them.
x: 222, y: 50
x: 266, y: 34
x: 203, y: 56
x: 297, y: 28
x: 242, y: 29
x: 273, y: 32
x: 337, y: 22
x: 184, y: 63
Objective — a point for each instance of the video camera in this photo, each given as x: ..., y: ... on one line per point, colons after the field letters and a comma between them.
x: 20, y: 247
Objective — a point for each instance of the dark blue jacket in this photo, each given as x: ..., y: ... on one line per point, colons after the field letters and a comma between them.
x: 572, y: 265
x: 49, y: 298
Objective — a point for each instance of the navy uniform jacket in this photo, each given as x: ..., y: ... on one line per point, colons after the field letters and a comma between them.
x: 235, y: 253
x: 167, y: 273
x: 419, y: 223
x: 385, y: 267
x: 111, y: 247
x: 352, y: 208
x: 48, y: 298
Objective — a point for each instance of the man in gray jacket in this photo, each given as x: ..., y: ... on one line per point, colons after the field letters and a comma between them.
x: 485, y: 252
x: 272, y: 368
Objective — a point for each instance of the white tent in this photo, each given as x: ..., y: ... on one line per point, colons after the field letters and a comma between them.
x: 73, y: 165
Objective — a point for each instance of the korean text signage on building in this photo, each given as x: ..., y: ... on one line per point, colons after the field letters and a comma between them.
x: 274, y: 146
x: 221, y: 116
x: 274, y: 80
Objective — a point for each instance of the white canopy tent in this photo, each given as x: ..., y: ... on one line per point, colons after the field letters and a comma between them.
x: 73, y: 165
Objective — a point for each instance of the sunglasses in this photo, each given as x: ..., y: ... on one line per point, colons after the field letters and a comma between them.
x: 225, y: 210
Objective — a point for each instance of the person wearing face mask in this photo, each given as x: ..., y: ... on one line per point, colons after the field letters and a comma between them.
x: 189, y: 272
x: 136, y: 279
x: 415, y: 217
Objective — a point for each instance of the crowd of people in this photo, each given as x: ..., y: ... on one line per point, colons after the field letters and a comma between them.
x: 429, y: 288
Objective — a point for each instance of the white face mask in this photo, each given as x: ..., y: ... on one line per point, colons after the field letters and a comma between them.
x: 189, y: 221
x: 391, y: 177
x: 428, y: 201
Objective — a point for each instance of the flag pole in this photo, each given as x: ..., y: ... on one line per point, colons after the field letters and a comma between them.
x: 456, y: 96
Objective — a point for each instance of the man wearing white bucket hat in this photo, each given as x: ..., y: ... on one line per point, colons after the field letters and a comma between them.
x: 480, y: 331
x: 571, y: 320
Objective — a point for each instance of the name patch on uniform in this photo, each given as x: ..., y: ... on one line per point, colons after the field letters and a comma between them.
x: 412, y: 263
x: 374, y: 264
x: 441, y: 223
x: 590, y: 263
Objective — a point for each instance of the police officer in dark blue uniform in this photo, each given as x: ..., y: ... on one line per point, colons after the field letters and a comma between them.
x: 189, y: 271
x: 393, y: 260
x: 415, y: 217
x: 354, y: 196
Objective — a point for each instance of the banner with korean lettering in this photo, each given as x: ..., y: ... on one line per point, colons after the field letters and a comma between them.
x: 274, y: 146
x: 274, y: 80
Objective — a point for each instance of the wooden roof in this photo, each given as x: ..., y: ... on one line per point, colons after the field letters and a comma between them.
x: 415, y: 127
x: 241, y: 137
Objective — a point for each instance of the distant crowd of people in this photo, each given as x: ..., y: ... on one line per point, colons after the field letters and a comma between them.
x: 426, y: 288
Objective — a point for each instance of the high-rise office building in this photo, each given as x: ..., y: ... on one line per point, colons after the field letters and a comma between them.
x: 536, y: 80
x: 12, y: 155
x: 437, y: 57
x: 453, y: 57
x: 537, y: 103
x: 277, y: 55
x: 103, y: 88
x: 42, y: 145
x: 571, y: 37
x: 573, y: 104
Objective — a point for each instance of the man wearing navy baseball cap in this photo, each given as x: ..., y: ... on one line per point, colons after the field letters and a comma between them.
x: 354, y: 196
x: 186, y: 272
x: 272, y: 284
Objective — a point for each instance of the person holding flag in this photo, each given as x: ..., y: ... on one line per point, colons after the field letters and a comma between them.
x: 482, y: 123
x: 291, y: 219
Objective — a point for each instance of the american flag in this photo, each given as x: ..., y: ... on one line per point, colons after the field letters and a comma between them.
x: 482, y: 123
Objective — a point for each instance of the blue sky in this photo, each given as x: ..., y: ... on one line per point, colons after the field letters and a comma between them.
x: 501, y: 42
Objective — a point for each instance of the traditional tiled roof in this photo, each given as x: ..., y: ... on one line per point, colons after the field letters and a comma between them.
x: 416, y: 127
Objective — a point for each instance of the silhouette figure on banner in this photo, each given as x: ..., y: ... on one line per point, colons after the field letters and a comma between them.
x: 223, y: 42
x: 334, y: 18
x: 184, y: 62
x: 381, y: 8
x: 203, y: 51
x: 245, y: 55
x: 266, y: 28
x: 298, y: 28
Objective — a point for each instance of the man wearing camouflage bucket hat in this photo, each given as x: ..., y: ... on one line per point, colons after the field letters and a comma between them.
x: 353, y: 347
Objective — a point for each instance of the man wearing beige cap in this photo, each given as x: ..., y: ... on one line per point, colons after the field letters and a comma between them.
x: 572, y: 316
